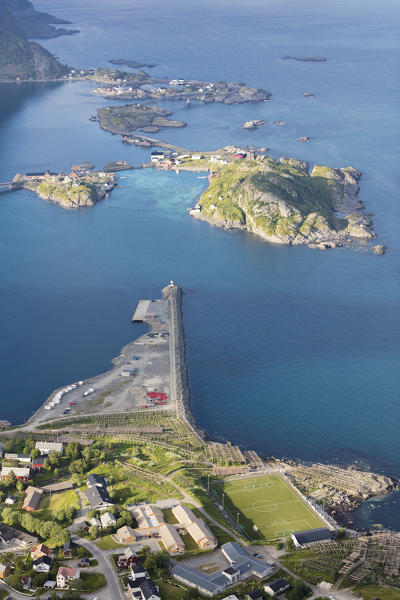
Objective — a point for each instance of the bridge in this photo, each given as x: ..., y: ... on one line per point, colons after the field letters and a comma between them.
x: 10, y: 185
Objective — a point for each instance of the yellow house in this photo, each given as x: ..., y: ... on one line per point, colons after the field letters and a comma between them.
x: 171, y: 539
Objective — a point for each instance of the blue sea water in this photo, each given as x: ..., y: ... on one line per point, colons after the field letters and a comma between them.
x: 292, y: 352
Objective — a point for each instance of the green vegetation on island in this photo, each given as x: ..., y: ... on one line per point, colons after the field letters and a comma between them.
x: 131, y: 117
x: 282, y: 201
x: 78, y: 189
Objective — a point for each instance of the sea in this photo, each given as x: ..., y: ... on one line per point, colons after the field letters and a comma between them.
x: 292, y: 352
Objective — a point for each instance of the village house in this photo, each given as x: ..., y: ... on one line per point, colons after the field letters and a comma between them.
x: 195, y: 527
x: 107, y: 519
x: 126, y: 535
x: 26, y: 582
x: 98, y: 497
x: 171, y: 539
x: 46, y: 447
x: 4, y: 571
x: 21, y: 473
x: 65, y: 575
x: 38, y: 463
x: 148, y: 516
x: 69, y: 549
x: 41, y: 550
x: 140, y: 586
x: 128, y: 558
x: 254, y: 595
x: 279, y: 586
x: 26, y: 458
x: 42, y: 564
x: 9, y: 536
x: 33, y: 496
x: 93, y: 480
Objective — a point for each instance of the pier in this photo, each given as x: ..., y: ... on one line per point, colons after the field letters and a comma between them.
x: 9, y: 186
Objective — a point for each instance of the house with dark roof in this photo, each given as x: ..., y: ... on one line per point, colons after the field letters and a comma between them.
x: 140, y: 586
x: 38, y: 463
x: 279, y: 586
x: 98, y: 497
x: 42, y: 564
x: 254, y: 595
x: 305, y: 538
x: 69, y: 549
x: 95, y: 480
x: 10, y: 536
x: 33, y: 496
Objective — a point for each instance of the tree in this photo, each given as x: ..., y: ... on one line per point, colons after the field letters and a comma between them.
x: 29, y: 445
x: 93, y: 532
x: 11, y: 480
x: 20, y: 486
x: 299, y: 591
x: 10, y: 516
x: 54, y: 459
x: 35, y: 453
x: 72, y: 450
x: 81, y: 551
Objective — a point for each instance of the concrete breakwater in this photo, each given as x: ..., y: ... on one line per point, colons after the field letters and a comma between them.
x: 179, y: 381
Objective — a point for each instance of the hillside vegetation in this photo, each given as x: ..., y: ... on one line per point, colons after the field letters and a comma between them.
x: 284, y: 203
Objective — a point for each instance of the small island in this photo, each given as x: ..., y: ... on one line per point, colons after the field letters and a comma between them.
x: 305, y: 58
x: 141, y: 86
x: 80, y: 188
x: 132, y: 64
x: 131, y: 117
x: 282, y: 201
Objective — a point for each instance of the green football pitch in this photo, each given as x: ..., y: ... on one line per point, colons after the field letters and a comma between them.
x: 268, y: 503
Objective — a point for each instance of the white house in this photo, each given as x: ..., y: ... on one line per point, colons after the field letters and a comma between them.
x: 47, y: 447
x: 65, y: 575
x: 107, y: 519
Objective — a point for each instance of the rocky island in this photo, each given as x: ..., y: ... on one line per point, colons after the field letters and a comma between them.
x: 132, y: 64
x: 282, y: 201
x: 305, y: 58
x: 141, y: 86
x: 131, y: 117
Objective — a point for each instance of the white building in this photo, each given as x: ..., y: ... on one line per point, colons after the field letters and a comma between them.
x: 107, y: 519
x: 47, y: 447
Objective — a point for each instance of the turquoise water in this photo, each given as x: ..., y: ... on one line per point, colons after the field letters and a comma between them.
x: 292, y: 352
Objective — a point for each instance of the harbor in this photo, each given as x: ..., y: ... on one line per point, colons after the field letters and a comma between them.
x: 147, y: 375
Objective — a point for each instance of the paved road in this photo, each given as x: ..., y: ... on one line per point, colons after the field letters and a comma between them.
x: 114, y: 590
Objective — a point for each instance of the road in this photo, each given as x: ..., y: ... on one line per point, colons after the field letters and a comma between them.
x: 113, y: 590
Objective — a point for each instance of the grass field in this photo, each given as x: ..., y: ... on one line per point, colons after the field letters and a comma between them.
x: 269, y: 503
x: 370, y: 592
x: 50, y: 505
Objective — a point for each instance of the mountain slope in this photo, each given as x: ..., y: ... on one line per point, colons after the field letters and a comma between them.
x: 31, y: 23
x: 21, y: 58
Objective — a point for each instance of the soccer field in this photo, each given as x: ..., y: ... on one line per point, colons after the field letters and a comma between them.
x: 267, y: 502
